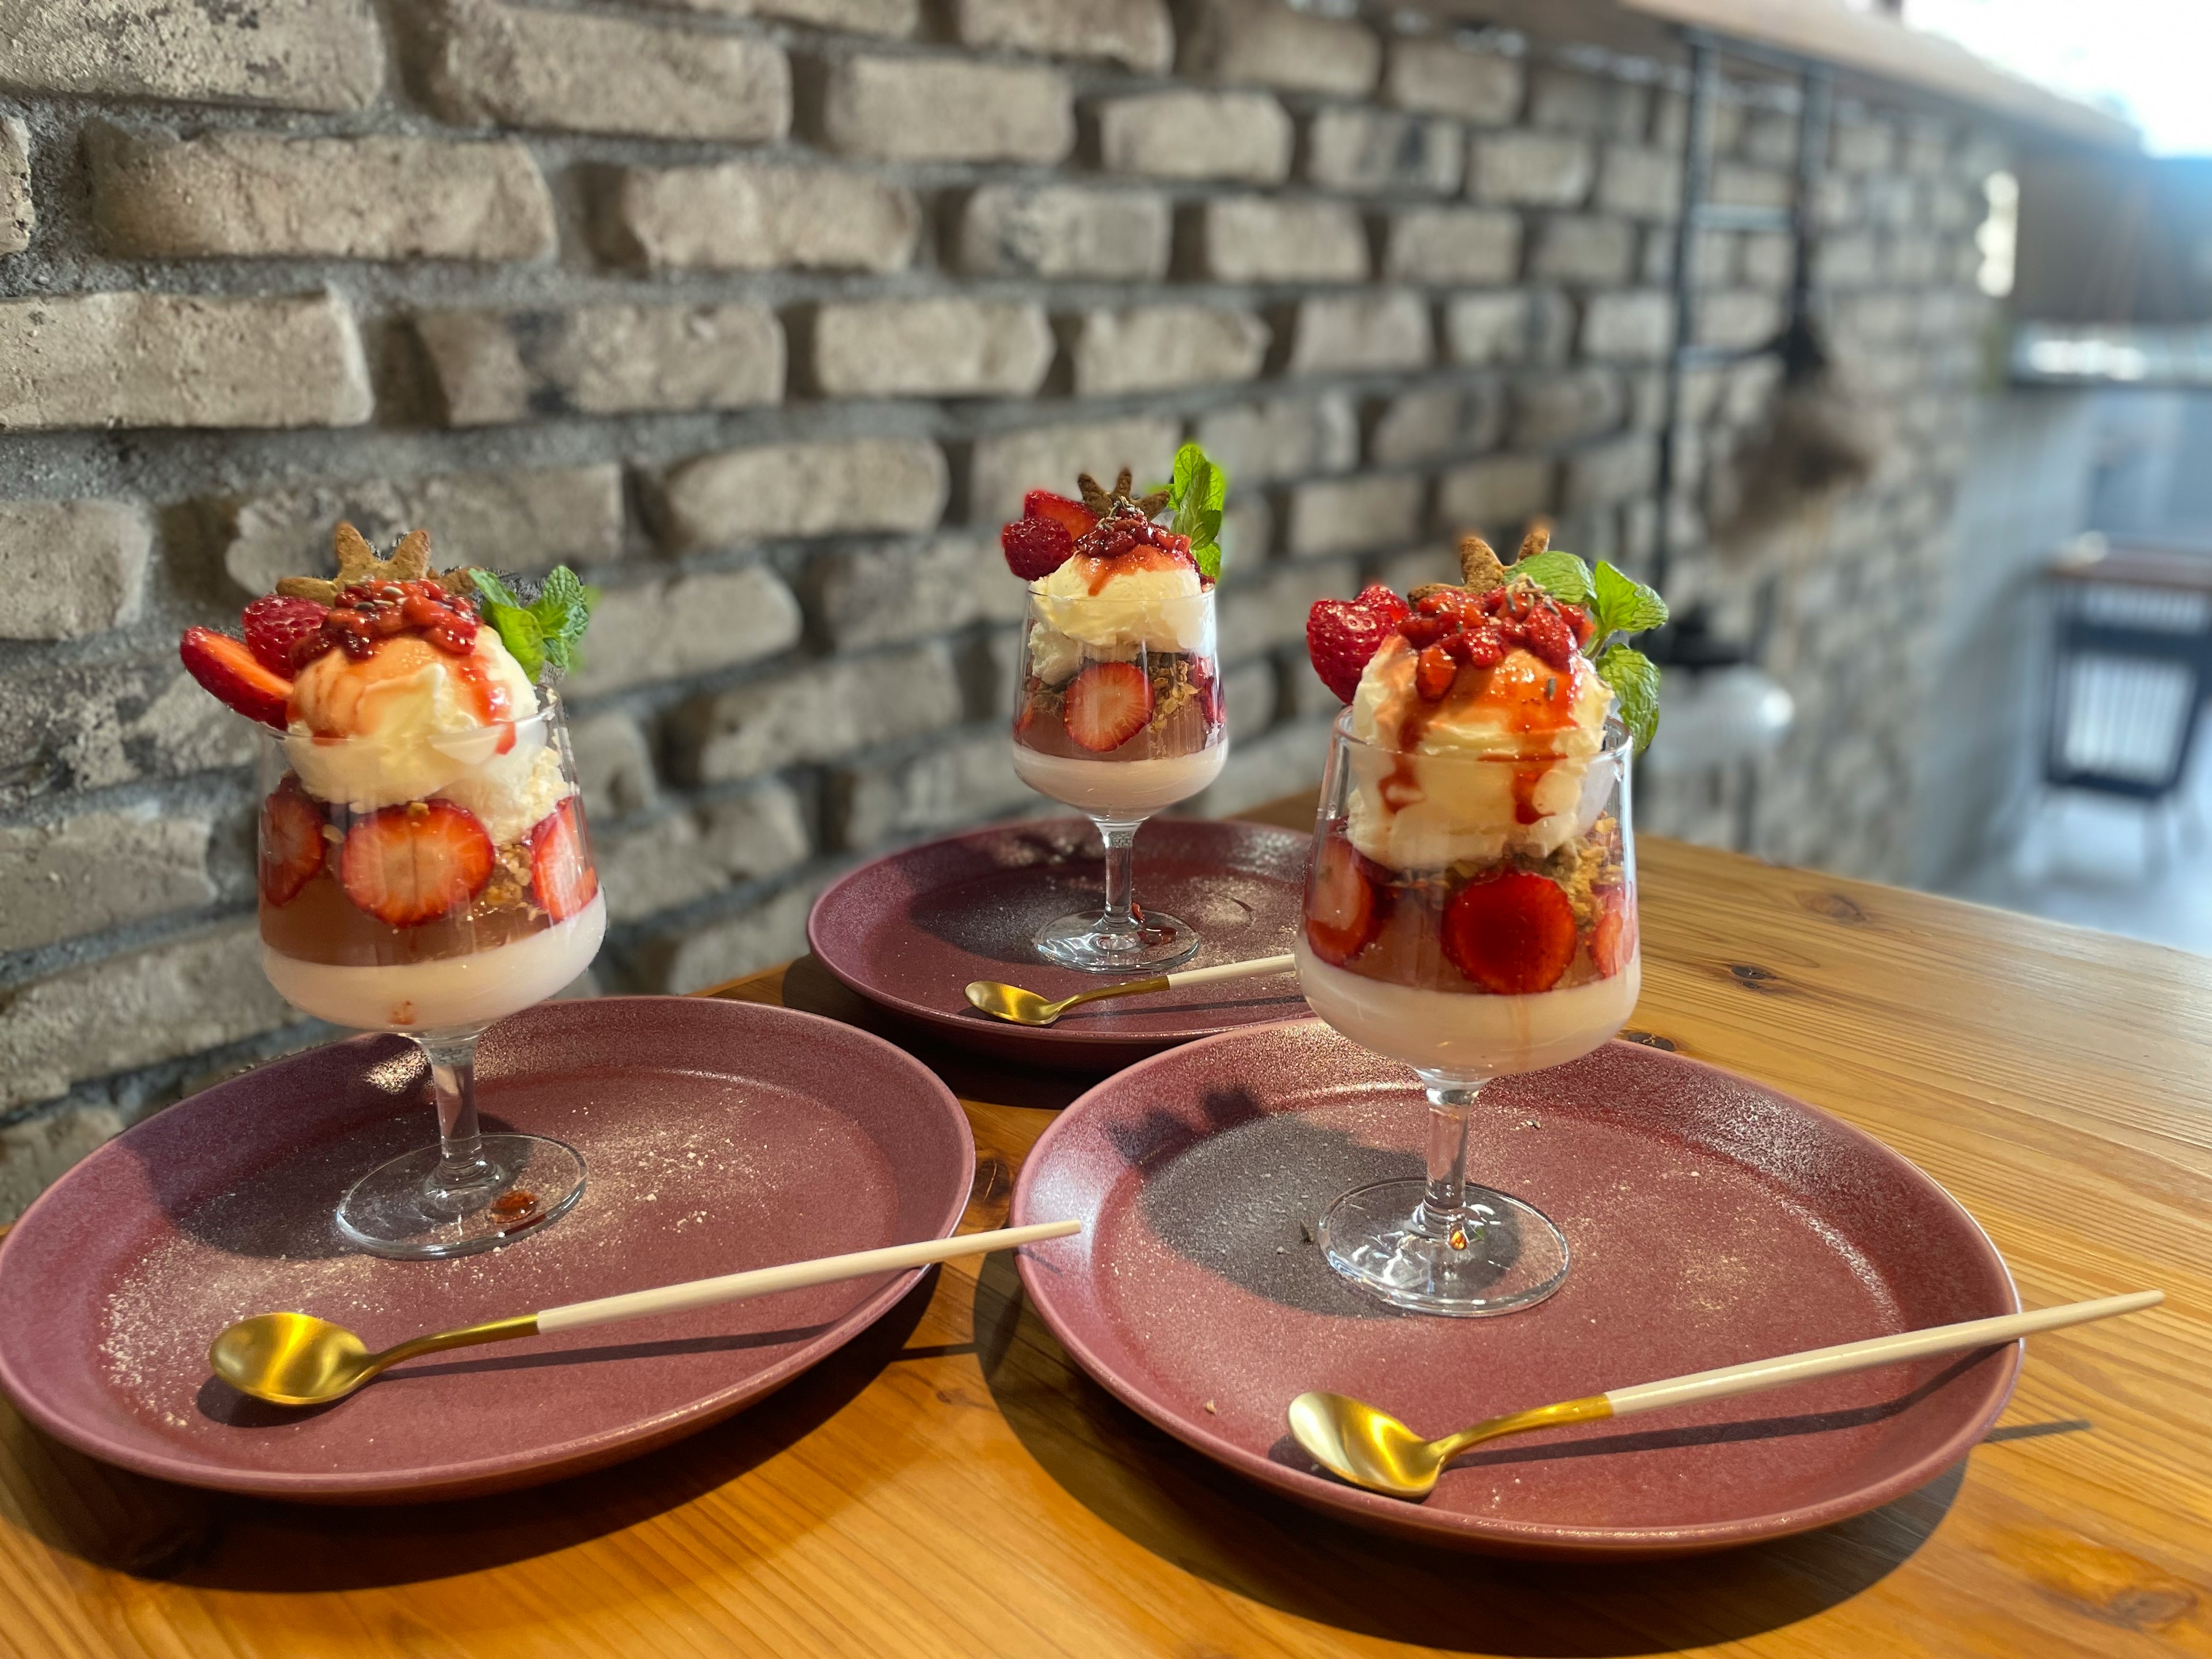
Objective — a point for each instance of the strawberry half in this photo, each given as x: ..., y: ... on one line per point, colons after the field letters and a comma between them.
x: 412, y: 863
x: 230, y: 673
x: 292, y: 845
x: 560, y: 870
x: 1513, y: 935
x: 1384, y: 603
x: 1612, y: 940
x: 1345, y: 906
x: 283, y: 633
x: 1035, y: 548
x: 1108, y: 703
x: 1078, y: 518
x: 1342, y: 636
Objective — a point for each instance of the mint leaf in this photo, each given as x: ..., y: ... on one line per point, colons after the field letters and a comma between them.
x: 1561, y: 575
x: 1625, y: 606
x: 1196, y: 496
x: 493, y: 589
x: 1635, y: 682
x: 520, y: 632
x: 1208, y: 555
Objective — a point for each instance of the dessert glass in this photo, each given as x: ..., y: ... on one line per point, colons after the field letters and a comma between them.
x: 1088, y: 676
x: 443, y: 980
x: 1443, y: 1244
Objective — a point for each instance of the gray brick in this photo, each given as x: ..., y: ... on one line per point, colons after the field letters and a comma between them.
x: 770, y: 932
x: 1531, y: 169
x: 968, y: 779
x: 1637, y: 327
x: 1248, y: 534
x: 1747, y: 186
x: 1252, y: 239
x: 1739, y: 317
x: 686, y: 856
x: 1489, y: 328
x: 1160, y: 346
x: 1007, y: 466
x: 1570, y: 101
x: 94, y: 871
x: 1183, y: 134
x: 1261, y: 41
x: 1616, y: 471
x: 19, y: 218
x: 73, y: 569
x: 260, y: 194
x: 525, y: 519
x: 945, y: 347
x: 1670, y: 121
x: 1769, y: 138
x: 130, y: 1010
x: 1444, y: 79
x: 1584, y: 249
x: 1431, y: 421
x: 1249, y: 698
x: 37, y: 1151
x: 87, y: 726
x: 756, y: 215
x: 1454, y: 245
x: 491, y: 367
x: 894, y: 595
x: 1355, y: 515
x: 771, y: 491
x: 893, y: 17
x: 614, y: 766
x: 1371, y: 150
x: 1858, y: 144
x: 1281, y: 438
x: 685, y: 625
x: 1270, y: 613
x: 130, y: 360
x: 485, y: 63
x: 821, y: 713
x: 1371, y: 332
x: 947, y: 109
x: 1278, y: 763
x: 1641, y: 184
x: 298, y: 54
x: 1554, y: 409
x: 1496, y: 496
x: 1062, y: 230
x: 1767, y: 259
x: 1134, y: 33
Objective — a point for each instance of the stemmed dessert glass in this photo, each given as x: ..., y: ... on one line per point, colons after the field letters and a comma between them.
x: 456, y: 888
x: 1424, y: 942
x: 1119, y: 731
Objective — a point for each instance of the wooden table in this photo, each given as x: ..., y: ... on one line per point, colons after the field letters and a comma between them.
x: 949, y: 1485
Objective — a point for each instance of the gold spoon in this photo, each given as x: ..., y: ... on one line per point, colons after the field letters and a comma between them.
x: 1372, y: 1448
x: 296, y: 1359
x: 1010, y: 1002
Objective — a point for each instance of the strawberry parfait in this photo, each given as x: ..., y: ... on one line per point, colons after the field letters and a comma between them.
x: 424, y: 867
x: 1470, y: 907
x: 1118, y: 711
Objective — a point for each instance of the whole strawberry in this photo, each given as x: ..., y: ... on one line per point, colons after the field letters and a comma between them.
x: 1035, y: 548
x: 1342, y: 636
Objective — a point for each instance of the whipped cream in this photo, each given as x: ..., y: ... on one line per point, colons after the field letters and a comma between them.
x: 1117, y: 607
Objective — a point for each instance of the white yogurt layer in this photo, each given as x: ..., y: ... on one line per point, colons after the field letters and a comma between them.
x: 1120, y: 789
x: 449, y: 994
x: 1150, y: 610
x: 1467, y: 1033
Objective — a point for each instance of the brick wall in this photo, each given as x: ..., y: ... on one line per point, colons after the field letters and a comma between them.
x: 763, y: 312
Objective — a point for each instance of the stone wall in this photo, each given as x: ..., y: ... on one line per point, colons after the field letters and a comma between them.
x: 763, y: 314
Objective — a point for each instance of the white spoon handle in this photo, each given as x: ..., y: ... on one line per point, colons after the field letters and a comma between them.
x: 762, y: 1281
x: 1866, y: 1355
x: 1251, y: 969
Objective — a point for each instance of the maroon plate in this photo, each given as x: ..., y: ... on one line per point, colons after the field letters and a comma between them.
x: 717, y: 1136
x: 910, y: 930
x: 1711, y: 1222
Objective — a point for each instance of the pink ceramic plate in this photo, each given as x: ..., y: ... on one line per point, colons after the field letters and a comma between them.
x: 717, y: 1135
x: 1711, y: 1220
x: 910, y: 930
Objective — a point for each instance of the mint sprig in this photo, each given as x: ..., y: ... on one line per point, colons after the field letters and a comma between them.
x: 540, y: 633
x: 1195, y: 496
x: 1619, y: 605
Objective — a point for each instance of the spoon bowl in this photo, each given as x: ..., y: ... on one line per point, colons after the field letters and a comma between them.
x: 291, y: 1358
x: 1010, y: 1002
x: 1367, y: 1446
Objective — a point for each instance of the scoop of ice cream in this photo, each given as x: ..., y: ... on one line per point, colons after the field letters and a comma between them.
x: 1146, y: 596
x: 1507, y: 759
x: 409, y: 719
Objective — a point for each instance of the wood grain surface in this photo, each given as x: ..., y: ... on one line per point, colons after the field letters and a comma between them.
x: 949, y: 1485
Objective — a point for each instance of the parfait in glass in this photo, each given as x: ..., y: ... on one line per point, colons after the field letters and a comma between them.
x: 424, y: 867
x: 1118, y: 707
x: 1470, y: 907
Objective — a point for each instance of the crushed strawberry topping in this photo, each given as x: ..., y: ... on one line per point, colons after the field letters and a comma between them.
x: 372, y: 611
x: 1450, y: 628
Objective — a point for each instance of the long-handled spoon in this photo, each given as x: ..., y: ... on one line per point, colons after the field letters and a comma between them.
x: 1010, y: 1002
x: 1372, y: 1448
x: 296, y: 1359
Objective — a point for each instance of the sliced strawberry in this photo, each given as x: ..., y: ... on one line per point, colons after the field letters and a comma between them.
x: 228, y: 672
x: 1550, y: 638
x: 1579, y: 620
x: 1342, y: 637
x: 1513, y: 935
x: 1044, y: 504
x: 1384, y: 603
x: 1612, y: 939
x: 412, y: 863
x: 1035, y: 548
x: 1434, y: 671
x: 292, y: 845
x: 560, y: 870
x: 1108, y: 704
x: 285, y: 635
x: 1345, y: 905
x: 1422, y: 632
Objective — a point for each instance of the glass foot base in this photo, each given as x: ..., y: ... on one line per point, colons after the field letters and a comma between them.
x: 1158, y: 942
x: 1503, y: 1255
x: 525, y: 1183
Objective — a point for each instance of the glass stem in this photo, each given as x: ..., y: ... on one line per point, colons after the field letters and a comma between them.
x: 1442, y: 1211
x: 464, y: 1179
x: 1119, y: 838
